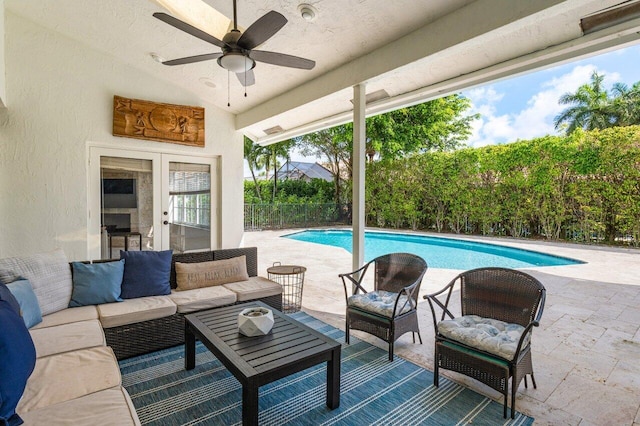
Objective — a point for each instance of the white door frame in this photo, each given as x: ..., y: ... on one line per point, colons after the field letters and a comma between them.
x: 160, y: 161
x: 213, y: 169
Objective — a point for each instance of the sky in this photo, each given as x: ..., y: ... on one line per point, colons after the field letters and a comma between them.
x: 524, y: 107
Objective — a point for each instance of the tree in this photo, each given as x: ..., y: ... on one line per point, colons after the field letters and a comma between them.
x: 275, y: 151
x: 440, y: 125
x: 334, y: 144
x: 626, y: 104
x: 437, y: 125
x: 253, y: 153
x: 590, y: 107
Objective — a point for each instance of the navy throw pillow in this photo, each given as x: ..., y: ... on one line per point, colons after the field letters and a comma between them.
x: 7, y: 296
x: 146, y: 273
x: 18, y: 357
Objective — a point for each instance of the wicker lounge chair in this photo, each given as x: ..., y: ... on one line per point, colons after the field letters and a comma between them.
x: 390, y: 310
x: 468, y: 344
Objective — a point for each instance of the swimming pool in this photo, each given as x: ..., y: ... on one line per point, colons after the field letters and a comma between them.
x: 439, y: 252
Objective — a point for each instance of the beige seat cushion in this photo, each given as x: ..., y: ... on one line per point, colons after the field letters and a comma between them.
x: 111, y: 407
x: 67, y: 337
x: 202, y: 298
x: 70, y: 375
x: 66, y: 316
x: 254, y: 288
x: 135, y: 310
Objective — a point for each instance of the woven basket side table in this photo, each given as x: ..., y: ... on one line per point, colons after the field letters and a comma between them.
x: 291, y: 278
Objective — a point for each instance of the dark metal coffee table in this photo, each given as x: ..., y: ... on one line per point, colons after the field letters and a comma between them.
x: 290, y: 347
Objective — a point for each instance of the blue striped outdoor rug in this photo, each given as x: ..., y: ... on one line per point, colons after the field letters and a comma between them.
x: 373, y: 390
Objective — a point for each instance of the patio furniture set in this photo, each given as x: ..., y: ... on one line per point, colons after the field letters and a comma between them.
x: 490, y: 339
x: 76, y: 378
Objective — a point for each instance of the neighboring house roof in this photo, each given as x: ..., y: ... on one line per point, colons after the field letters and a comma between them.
x: 301, y: 170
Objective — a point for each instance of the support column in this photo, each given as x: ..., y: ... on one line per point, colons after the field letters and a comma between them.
x: 359, y: 152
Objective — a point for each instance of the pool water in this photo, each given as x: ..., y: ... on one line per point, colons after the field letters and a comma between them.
x: 447, y: 253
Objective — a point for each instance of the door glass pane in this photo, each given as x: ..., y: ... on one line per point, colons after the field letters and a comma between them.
x: 126, y: 205
x: 189, y: 207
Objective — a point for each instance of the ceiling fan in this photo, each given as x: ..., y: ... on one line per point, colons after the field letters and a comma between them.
x: 237, y: 53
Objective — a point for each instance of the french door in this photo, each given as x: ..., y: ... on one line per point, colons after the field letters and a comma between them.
x: 151, y: 201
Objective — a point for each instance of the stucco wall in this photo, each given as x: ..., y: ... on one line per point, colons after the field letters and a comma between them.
x: 60, y: 96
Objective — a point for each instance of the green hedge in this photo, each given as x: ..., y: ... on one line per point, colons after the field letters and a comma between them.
x: 582, y: 187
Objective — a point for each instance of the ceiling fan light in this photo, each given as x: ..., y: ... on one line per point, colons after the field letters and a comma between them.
x: 236, y: 62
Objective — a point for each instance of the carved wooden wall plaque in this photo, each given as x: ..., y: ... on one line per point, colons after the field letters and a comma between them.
x: 147, y: 120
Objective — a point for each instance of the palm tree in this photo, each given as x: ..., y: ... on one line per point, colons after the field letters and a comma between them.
x: 253, y: 153
x: 591, y: 108
x: 278, y: 150
x: 626, y: 104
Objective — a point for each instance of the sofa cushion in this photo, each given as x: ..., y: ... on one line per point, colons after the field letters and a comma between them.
x: 135, y: 310
x: 29, y: 308
x: 17, y: 360
x: 49, y: 274
x: 202, y: 298
x: 146, y: 273
x: 254, y: 288
x: 8, y: 276
x: 110, y: 407
x: 489, y: 335
x: 380, y: 302
x: 207, y: 274
x: 96, y: 283
x: 67, y: 316
x: 93, y: 369
x: 67, y: 337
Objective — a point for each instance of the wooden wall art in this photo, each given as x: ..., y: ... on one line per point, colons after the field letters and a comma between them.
x: 133, y: 118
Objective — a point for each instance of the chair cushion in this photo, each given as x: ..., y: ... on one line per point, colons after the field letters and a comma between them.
x: 135, y: 310
x: 92, y: 370
x: 254, y: 288
x: 379, y: 302
x: 207, y: 274
x: 146, y: 273
x: 96, y: 283
x: 17, y: 360
x: 66, y: 316
x: 29, y: 308
x: 109, y: 407
x: 50, y: 276
x: 489, y: 335
x: 67, y: 337
x: 202, y: 298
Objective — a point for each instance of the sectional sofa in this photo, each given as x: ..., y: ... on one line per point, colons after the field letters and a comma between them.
x: 76, y: 379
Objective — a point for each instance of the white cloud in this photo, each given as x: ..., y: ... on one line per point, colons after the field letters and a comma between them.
x: 536, y: 119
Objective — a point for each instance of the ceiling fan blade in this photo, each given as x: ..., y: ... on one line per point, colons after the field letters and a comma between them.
x: 262, y: 30
x: 189, y: 29
x: 282, y: 60
x: 192, y: 59
x: 247, y: 78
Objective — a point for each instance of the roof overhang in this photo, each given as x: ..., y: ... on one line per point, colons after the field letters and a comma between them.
x: 312, y: 106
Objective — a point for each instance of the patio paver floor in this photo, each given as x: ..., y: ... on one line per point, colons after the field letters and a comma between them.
x: 586, y: 352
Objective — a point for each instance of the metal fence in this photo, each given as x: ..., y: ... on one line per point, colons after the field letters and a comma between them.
x: 281, y: 216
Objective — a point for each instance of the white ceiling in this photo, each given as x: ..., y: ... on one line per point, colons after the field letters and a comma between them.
x: 413, y: 49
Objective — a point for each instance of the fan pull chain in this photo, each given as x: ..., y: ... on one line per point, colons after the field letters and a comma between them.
x: 245, y: 76
x: 228, y: 89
